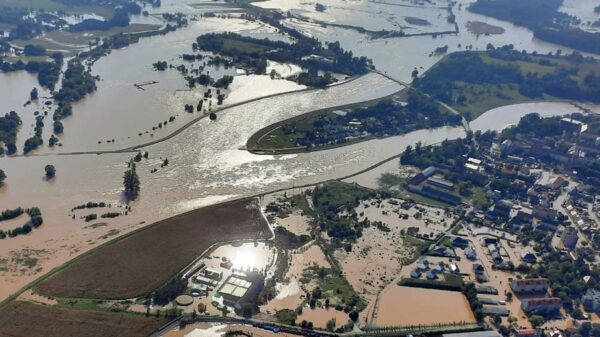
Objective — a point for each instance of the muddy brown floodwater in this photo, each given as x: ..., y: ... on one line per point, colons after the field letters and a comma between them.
x: 402, y: 306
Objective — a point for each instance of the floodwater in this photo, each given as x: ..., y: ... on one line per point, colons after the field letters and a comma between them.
x: 502, y: 117
x: 584, y: 11
x: 371, y: 15
x: 403, y: 306
x: 119, y: 111
x: 14, y: 93
x: 206, y: 164
x: 398, y: 57
x: 290, y: 292
x: 205, y: 167
x: 217, y: 330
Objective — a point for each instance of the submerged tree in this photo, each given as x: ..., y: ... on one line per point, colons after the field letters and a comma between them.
x: 50, y: 171
x: 33, y: 95
x: 131, y: 182
x: 2, y: 177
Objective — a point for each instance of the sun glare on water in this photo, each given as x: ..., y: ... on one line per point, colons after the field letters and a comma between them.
x: 244, y: 259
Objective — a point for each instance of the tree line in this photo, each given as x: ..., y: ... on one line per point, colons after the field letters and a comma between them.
x: 544, y: 19
x: 35, y: 220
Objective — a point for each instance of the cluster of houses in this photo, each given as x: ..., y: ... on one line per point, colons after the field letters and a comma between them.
x: 574, y: 144
x: 432, y: 271
x: 583, y: 218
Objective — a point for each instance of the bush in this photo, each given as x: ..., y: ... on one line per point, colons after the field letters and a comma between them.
x: 286, y: 316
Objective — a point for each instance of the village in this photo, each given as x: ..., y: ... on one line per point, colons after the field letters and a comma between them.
x: 423, y: 256
x: 430, y: 256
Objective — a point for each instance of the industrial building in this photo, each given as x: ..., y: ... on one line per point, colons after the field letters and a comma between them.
x: 541, y: 305
x: 241, y: 287
x: 530, y: 285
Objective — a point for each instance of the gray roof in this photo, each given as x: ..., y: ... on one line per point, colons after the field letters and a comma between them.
x: 429, y: 171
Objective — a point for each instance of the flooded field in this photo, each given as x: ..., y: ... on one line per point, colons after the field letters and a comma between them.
x: 584, y: 11
x: 120, y: 111
x: 14, y: 94
x: 191, y: 180
x: 402, y: 306
x: 429, y: 222
x: 402, y: 15
x: 206, y: 164
x: 290, y: 292
x: 417, y: 50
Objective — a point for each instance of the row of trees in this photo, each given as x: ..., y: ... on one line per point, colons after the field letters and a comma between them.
x: 36, y: 140
x: 131, y: 182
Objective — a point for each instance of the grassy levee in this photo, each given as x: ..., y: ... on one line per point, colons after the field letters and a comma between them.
x: 136, y: 265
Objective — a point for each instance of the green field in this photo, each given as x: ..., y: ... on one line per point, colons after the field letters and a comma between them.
x: 475, y: 82
x: 335, y: 287
x: 481, y: 98
x: 79, y: 304
x: 478, y: 198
